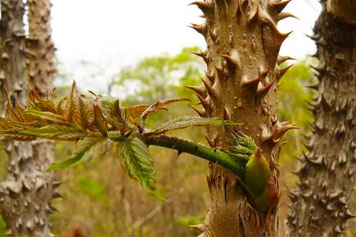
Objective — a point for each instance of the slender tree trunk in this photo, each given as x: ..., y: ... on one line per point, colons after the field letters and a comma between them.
x: 27, y: 192
x: 40, y: 46
x: 327, y: 173
x: 241, y: 84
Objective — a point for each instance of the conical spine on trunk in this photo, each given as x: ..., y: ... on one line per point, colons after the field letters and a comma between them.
x: 26, y: 194
x: 320, y: 203
x: 242, y: 76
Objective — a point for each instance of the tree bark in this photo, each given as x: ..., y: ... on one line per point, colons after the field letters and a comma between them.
x: 27, y: 192
x: 243, y: 43
x: 40, y: 46
x: 327, y: 172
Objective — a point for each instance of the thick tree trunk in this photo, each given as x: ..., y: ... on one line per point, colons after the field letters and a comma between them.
x: 241, y: 84
x: 27, y: 192
x: 327, y: 173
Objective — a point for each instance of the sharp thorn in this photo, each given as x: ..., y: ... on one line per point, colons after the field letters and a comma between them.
x: 284, y: 15
x: 203, y: 6
x: 202, y: 55
x: 210, y: 77
x: 219, y: 70
x: 213, y: 34
x: 227, y: 115
x: 211, y: 142
x: 210, y: 89
x: 231, y: 61
x: 264, y: 90
x: 282, y: 59
x: 279, y: 6
x: 201, y: 113
x: 253, y: 82
x: 254, y: 16
x: 197, y: 89
x: 314, y: 86
x: 283, y: 71
x: 205, y: 104
x: 199, y: 28
x: 314, y: 37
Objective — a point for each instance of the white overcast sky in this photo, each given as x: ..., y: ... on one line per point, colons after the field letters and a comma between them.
x: 111, y: 34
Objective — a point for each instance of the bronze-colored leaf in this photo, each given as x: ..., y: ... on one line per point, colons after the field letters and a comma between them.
x: 100, y: 121
x: 159, y: 105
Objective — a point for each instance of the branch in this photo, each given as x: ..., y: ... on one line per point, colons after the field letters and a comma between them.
x: 94, y: 123
x: 236, y: 165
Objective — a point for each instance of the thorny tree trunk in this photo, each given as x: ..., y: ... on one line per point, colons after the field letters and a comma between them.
x: 241, y: 84
x: 27, y: 192
x: 40, y: 46
x: 327, y: 173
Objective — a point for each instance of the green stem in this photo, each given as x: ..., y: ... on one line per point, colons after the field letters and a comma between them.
x: 235, y: 164
x: 220, y: 158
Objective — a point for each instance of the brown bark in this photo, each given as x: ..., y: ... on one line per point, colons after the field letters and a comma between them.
x: 27, y: 192
x: 327, y: 173
x: 344, y: 10
x: 40, y: 47
x: 241, y: 84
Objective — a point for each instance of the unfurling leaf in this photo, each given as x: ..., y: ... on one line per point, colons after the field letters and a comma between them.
x: 159, y: 105
x: 135, y: 112
x: 49, y: 116
x: 71, y: 103
x: 243, y: 146
x: 137, y: 162
x: 185, y: 122
x: 56, y: 132
x: 100, y: 121
x: 37, y: 103
x: 115, y: 115
x: 15, y: 135
x: 87, y: 148
x: 86, y: 113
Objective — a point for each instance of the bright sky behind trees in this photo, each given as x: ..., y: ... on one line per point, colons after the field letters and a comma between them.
x: 111, y: 34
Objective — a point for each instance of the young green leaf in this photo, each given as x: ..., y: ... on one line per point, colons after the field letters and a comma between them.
x: 185, y: 122
x: 15, y: 135
x: 87, y: 148
x: 137, y: 162
x: 243, y: 146
x: 57, y: 132
x: 49, y: 116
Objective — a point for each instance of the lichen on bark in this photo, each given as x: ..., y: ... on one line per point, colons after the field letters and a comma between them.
x: 243, y: 43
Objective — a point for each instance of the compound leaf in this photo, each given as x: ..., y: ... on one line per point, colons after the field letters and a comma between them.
x: 137, y: 162
x: 185, y: 122
x: 57, y: 132
x: 87, y: 148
